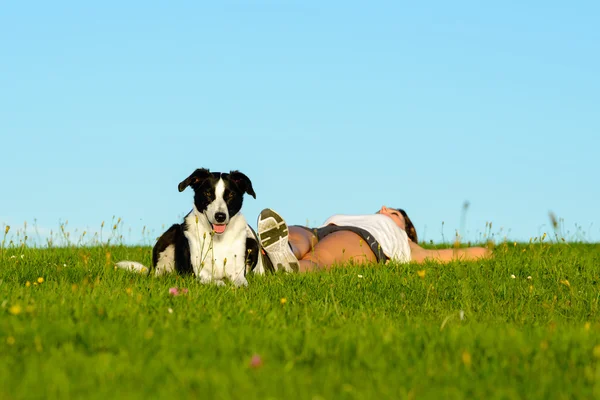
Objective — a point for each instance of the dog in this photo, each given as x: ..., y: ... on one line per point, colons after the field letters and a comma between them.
x: 214, y: 242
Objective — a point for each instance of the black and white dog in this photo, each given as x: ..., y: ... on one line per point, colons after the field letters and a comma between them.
x: 214, y: 242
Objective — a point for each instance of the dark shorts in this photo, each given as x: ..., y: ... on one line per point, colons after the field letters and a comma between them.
x: 320, y: 233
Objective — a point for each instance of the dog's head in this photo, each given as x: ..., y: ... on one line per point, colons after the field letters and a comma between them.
x: 217, y: 195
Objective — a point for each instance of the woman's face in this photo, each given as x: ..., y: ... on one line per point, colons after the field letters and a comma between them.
x: 394, y: 215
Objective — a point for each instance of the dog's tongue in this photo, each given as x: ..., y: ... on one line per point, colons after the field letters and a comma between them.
x: 219, y: 228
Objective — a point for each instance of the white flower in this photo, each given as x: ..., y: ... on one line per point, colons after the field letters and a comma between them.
x: 461, y: 314
x: 513, y: 276
x: 22, y: 256
x: 360, y: 276
x: 529, y: 277
x: 170, y: 310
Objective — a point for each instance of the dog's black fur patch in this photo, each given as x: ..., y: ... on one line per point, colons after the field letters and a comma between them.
x: 174, y: 236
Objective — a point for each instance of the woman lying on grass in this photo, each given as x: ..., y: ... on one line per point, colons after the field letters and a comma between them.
x: 387, y: 235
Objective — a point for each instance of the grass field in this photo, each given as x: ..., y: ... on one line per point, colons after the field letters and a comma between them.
x: 522, y: 325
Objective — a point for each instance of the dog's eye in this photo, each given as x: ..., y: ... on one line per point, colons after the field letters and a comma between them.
x: 230, y: 196
x: 208, y: 193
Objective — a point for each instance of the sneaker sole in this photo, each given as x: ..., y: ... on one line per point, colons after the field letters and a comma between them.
x: 273, y: 235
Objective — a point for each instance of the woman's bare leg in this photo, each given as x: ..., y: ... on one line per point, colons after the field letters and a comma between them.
x: 337, y: 248
x: 293, y: 248
x: 301, y: 241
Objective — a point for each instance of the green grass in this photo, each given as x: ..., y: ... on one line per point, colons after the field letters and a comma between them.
x: 379, y: 331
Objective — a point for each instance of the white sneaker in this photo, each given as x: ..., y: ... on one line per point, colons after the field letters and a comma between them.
x: 273, y: 236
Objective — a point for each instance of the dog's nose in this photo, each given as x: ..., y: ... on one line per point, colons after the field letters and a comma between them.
x: 220, y: 217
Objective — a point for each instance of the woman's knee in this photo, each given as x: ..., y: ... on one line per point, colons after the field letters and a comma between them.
x: 301, y: 240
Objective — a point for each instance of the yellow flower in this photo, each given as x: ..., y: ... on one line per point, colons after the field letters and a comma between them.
x: 566, y: 283
x: 15, y: 310
x: 129, y: 290
x: 421, y: 273
x: 596, y: 351
x: 587, y: 326
x: 27, y: 283
x: 466, y: 358
x: 41, y: 280
x: 283, y: 300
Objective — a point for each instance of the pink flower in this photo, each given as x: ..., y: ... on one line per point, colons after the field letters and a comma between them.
x: 256, y: 361
x: 175, y: 291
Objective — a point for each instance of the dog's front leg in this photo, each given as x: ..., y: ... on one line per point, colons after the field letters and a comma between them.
x: 235, y: 272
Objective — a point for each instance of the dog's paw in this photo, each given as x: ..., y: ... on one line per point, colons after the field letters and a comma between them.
x: 209, y: 280
x: 205, y: 279
x: 240, y: 281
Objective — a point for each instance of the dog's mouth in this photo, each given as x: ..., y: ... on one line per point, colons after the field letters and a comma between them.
x: 219, y: 228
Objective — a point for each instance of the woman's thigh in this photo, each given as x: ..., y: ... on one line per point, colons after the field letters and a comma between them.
x: 340, y: 247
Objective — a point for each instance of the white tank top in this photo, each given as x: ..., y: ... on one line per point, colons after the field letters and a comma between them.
x: 392, y: 239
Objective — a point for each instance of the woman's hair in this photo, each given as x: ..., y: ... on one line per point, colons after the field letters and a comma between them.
x: 410, y: 228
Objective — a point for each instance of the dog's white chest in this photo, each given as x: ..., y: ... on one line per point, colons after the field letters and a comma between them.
x: 216, y: 257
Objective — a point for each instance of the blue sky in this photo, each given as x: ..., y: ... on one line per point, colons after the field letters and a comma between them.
x: 329, y: 107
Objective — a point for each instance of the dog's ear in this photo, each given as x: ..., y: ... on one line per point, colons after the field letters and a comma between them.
x: 194, y: 179
x: 243, y: 182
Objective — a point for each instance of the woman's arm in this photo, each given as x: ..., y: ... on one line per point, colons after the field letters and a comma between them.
x: 419, y: 254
